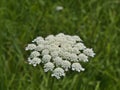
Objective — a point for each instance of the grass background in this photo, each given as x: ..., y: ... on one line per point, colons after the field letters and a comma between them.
x: 97, y: 22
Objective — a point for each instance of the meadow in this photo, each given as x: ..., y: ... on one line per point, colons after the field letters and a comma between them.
x: 97, y: 22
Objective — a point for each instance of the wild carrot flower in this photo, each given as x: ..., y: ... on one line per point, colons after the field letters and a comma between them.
x: 59, y: 53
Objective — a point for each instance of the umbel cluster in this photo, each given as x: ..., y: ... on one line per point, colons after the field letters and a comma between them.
x: 59, y: 53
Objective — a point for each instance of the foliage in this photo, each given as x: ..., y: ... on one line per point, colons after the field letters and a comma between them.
x: 97, y: 22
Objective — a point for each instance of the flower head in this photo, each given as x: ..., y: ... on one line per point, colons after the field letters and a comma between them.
x: 59, y: 53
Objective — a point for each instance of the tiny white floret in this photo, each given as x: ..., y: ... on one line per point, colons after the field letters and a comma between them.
x: 30, y: 47
x: 49, y: 67
x: 80, y: 46
x: 77, y: 67
x: 66, y: 65
x: 45, y: 52
x: 34, y: 54
x: 89, y: 52
x: 54, y: 54
x: 46, y: 58
x: 57, y: 61
x: 39, y: 47
x: 83, y: 57
x: 76, y: 38
x: 58, y: 73
x: 39, y: 40
x: 73, y: 57
x: 34, y: 61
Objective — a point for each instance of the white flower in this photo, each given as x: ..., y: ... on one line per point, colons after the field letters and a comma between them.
x: 59, y: 53
x: 46, y: 58
x: 54, y: 54
x: 80, y: 46
x: 49, y: 67
x: 66, y: 46
x: 89, y: 52
x: 64, y: 55
x: 34, y: 61
x: 75, y: 50
x: 45, y: 52
x: 57, y: 61
x: 34, y: 54
x: 77, y: 38
x: 66, y: 65
x: 73, y: 57
x: 58, y: 72
x: 50, y: 38
x: 53, y: 47
x: 83, y: 57
x: 39, y: 47
x: 70, y: 40
x: 59, y: 8
x: 77, y: 67
x: 47, y: 46
x: 39, y: 40
x: 60, y: 35
x: 30, y: 47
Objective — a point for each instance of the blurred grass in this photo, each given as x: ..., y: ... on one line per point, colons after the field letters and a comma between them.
x: 96, y: 22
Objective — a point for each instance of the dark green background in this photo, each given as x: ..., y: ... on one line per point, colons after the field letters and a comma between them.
x: 97, y: 22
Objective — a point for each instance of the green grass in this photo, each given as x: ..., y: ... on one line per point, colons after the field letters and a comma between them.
x: 97, y: 22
